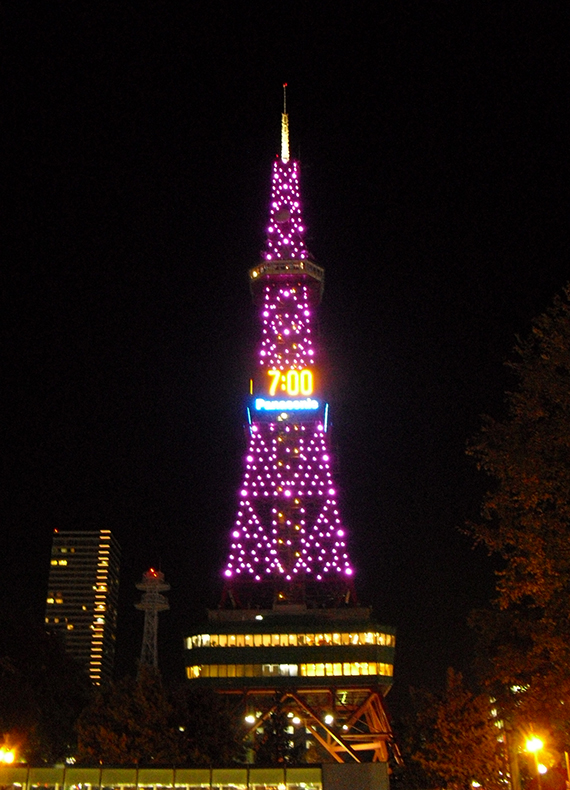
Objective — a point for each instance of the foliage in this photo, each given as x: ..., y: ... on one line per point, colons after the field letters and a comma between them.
x: 527, y: 522
x: 211, y: 731
x: 274, y: 745
x: 457, y: 740
x: 140, y: 721
x: 128, y: 722
x: 42, y: 692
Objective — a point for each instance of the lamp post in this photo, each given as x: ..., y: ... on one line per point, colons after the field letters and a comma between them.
x: 7, y: 756
x: 533, y: 745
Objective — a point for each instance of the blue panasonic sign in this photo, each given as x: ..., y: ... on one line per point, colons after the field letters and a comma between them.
x: 306, y: 404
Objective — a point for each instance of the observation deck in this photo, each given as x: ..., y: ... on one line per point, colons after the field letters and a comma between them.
x: 292, y: 269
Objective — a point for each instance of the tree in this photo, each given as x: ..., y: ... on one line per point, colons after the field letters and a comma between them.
x: 42, y: 692
x: 210, y: 730
x: 130, y: 721
x: 275, y: 743
x: 527, y: 522
x: 457, y: 740
x: 140, y: 721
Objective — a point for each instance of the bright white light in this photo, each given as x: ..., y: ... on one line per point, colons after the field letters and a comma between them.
x: 329, y: 718
x: 250, y: 719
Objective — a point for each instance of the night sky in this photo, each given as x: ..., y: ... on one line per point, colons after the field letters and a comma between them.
x: 138, y: 140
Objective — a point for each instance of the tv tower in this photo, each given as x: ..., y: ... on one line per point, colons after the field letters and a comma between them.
x: 152, y: 602
x: 289, y: 635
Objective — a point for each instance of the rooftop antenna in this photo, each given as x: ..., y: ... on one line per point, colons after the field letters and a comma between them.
x: 152, y: 602
x: 284, y: 128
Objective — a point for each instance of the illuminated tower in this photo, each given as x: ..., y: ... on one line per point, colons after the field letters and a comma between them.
x: 152, y: 602
x: 82, y: 599
x: 289, y: 635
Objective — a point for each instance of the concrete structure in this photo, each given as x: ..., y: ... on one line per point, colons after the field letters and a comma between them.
x: 82, y: 599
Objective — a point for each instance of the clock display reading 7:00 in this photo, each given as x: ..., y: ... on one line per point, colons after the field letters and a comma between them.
x: 293, y: 382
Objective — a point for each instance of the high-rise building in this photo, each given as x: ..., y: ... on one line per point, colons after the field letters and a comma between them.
x: 289, y: 637
x: 82, y: 599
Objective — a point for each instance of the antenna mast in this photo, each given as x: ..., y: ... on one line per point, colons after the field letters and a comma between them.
x: 284, y: 128
x: 151, y: 604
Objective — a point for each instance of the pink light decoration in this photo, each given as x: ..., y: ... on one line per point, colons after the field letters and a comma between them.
x: 287, y: 525
x: 285, y: 230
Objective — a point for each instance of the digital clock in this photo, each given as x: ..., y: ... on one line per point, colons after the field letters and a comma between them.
x: 294, y: 383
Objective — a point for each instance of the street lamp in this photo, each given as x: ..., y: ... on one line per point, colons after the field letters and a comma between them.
x: 533, y: 745
x: 7, y: 755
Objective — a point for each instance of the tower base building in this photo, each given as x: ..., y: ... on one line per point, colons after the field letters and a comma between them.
x: 325, y: 671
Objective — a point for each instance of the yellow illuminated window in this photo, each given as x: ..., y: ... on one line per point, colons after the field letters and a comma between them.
x: 293, y: 639
x: 266, y: 640
x: 337, y: 669
x: 54, y: 562
x: 257, y: 640
x: 248, y: 640
x: 239, y: 640
x: 50, y: 600
x: 222, y: 640
x: 275, y: 640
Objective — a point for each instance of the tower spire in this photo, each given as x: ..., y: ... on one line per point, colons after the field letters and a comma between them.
x: 284, y: 128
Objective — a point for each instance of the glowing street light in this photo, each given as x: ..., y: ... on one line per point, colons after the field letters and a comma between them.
x: 533, y: 745
x: 7, y: 755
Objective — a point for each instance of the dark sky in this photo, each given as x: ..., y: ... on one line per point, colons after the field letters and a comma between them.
x: 137, y: 147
